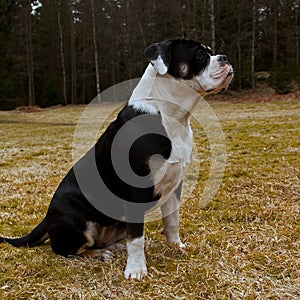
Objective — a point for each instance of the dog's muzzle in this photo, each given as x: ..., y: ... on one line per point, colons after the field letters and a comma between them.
x: 223, y: 61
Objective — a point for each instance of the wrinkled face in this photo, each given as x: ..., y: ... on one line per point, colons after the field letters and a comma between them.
x: 192, y: 63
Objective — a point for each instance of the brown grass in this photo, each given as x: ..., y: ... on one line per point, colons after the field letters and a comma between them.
x: 244, y: 245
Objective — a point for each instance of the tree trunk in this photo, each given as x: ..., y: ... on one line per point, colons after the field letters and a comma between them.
x: 95, y: 51
x: 239, y: 53
x: 127, y: 37
x: 62, y: 55
x: 141, y: 31
x: 182, y: 23
x: 195, y: 20
x: 73, y: 60
x: 253, y: 45
x: 297, y: 31
x: 84, y: 72
x: 203, y: 35
x: 275, y: 31
x: 212, y: 26
x: 30, y: 67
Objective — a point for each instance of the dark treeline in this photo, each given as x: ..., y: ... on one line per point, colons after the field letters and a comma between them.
x: 66, y: 51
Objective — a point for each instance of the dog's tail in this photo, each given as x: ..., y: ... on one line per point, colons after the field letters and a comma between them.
x: 36, y: 237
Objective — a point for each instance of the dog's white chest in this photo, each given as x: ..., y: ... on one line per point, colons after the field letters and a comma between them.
x: 170, y: 173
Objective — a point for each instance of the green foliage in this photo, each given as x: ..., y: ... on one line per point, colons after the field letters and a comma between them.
x: 5, y: 84
x: 51, y: 93
x: 6, y: 77
x: 8, y: 104
x: 122, y: 33
x: 281, y: 77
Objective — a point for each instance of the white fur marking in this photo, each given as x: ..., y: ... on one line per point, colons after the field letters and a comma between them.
x: 145, y: 107
x: 139, y: 98
x: 159, y: 65
x: 136, y: 262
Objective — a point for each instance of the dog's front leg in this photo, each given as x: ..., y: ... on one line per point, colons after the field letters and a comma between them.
x: 170, y: 216
x: 136, y: 261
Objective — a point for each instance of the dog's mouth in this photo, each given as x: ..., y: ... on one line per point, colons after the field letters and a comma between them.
x: 230, y: 73
x: 216, y: 82
x: 225, y: 75
x: 224, y: 72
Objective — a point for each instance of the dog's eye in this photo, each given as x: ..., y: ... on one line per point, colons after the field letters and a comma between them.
x: 200, y: 54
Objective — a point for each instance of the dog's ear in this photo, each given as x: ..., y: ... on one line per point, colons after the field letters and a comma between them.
x: 159, y: 55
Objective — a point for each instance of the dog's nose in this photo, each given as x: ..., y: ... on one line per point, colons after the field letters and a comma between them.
x: 223, y: 59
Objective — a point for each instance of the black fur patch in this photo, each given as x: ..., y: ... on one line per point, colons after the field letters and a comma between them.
x: 192, y: 53
x: 70, y: 208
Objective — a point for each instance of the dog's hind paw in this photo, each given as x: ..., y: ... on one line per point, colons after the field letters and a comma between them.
x: 116, y: 247
x: 102, y: 254
x: 107, y: 255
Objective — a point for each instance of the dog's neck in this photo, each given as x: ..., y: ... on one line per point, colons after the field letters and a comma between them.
x: 164, y: 94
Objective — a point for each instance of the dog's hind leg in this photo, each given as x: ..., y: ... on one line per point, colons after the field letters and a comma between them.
x: 116, y: 247
x: 70, y: 237
x: 66, y: 236
x: 104, y: 240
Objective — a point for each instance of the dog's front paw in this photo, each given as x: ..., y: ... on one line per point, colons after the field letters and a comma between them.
x: 174, y: 239
x: 139, y: 273
x: 136, y: 262
x: 181, y: 245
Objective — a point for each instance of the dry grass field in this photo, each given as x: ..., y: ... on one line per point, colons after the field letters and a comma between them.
x: 244, y: 245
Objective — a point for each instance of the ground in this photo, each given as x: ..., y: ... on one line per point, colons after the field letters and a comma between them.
x: 245, y: 244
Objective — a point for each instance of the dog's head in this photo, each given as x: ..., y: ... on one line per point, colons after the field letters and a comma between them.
x: 192, y: 63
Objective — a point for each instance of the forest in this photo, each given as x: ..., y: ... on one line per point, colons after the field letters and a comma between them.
x: 66, y: 52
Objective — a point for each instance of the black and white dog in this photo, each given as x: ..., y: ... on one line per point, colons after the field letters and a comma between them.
x: 84, y: 219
